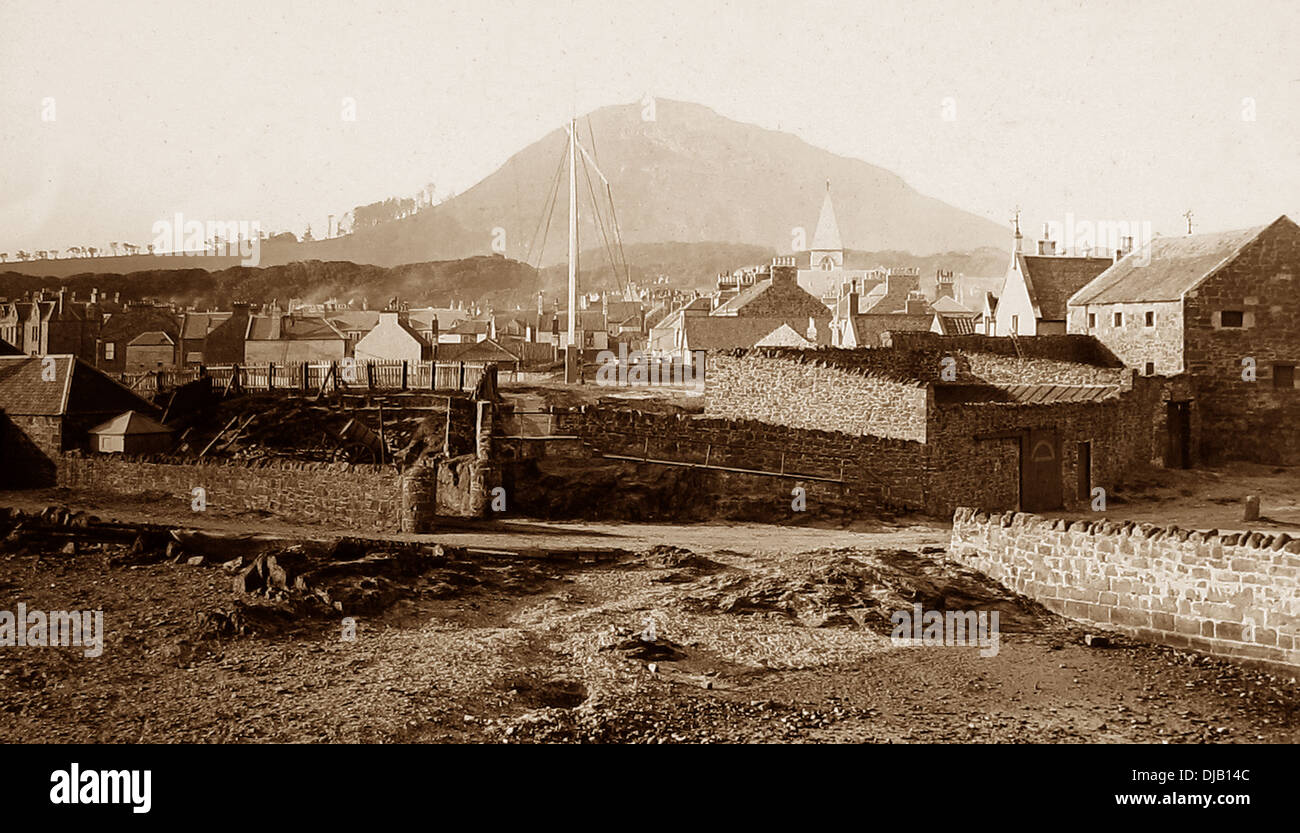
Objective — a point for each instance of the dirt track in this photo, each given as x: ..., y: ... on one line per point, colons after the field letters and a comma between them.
x: 756, y: 639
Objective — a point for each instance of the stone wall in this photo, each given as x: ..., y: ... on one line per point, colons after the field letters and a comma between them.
x: 29, y: 449
x: 974, y: 461
x: 361, y: 497
x: 1134, y: 342
x: 813, y: 394
x: 1233, y: 595
x: 877, y: 473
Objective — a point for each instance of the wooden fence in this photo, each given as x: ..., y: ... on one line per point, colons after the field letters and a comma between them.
x: 313, y: 377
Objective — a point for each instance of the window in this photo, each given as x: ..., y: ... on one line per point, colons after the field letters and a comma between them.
x: 1092, y: 320
x: 1015, y: 325
x: 1284, y: 376
x: 1150, y: 320
x: 1119, y: 319
x: 1150, y: 369
x: 109, y: 349
x: 1232, y: 318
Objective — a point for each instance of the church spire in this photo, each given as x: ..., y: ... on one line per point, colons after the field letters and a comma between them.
x: 826, y: 240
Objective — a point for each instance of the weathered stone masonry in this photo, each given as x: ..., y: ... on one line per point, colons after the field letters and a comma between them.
x: 1232, y: 595
x: 361, y: 497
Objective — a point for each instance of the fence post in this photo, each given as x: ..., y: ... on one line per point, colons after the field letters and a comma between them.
x: 370, y: 375
x: 461, y: 385
x: 403, y: 374
x: 270, y: 376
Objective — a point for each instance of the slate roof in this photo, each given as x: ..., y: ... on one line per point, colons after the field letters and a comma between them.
x: 486, y: 350
x: 152, y: 338
x: 1052, y: 279
x: 709, y: 332
x: 956, y: 325
x: 24, y: 390
x: 76, y: 387
x: 293, y: 328
x: 1168, y: 267
x: 198, y: 324
x: 1023, y: 394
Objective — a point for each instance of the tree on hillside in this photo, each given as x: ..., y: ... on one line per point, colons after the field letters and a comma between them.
x: 114, y: 245
x: 306, y: 235
x: 4, y: 257
x: 93, y: 251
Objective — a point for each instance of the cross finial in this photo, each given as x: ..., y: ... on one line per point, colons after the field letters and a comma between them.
x: 1016, y: 219
x: 1188, y: 215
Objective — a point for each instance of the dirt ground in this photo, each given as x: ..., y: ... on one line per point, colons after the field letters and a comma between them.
x: 700, y: 633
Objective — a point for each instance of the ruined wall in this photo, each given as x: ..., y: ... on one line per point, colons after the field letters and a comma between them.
x: 813, y: 395
x: 361, y: 497
x: 1234, y: 596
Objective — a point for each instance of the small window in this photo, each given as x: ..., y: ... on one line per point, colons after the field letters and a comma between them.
x: 1015, y: 325
x: 1119, y: 319
x: 1150, y: 320
x: 1092, y: 320
x: 109, y: 349
x: 1150, y: 369
x: 1284, y: 376
x: 1232, y: 318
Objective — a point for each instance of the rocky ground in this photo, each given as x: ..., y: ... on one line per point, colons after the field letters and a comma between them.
x: 733, y: 639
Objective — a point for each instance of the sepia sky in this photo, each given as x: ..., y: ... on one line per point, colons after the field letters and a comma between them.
x: 232, y: 110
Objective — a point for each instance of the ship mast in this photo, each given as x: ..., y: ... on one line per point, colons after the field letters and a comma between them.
x: 572, y: 354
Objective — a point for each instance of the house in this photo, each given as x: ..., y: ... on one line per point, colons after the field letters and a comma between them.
x: 130, y: 433
x: 47, y: 406
x: 393, y: 339
x: 773, y: 301
x: 1034, y: 292
x: 986, y: 322
x: 896, y: 304
x: 276, y: 338
x: 1224, y: 309
x: 487, y: 350
x: 224, y: 344
x: 195, y: 328
x: 466, y: 331
x: 121, y: 328
x: 152, y: 350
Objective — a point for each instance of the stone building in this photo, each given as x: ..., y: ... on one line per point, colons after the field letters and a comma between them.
x: 1224, y: 309
x: 47, y: 406
x: 275, y: 338
x: 1034, y: 427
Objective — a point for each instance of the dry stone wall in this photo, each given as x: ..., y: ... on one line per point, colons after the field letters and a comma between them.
x: 1231, y: 595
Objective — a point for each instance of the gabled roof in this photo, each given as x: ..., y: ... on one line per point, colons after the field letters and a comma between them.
x: 827, y: 236
x: 27, y: 389
x: 709, y: 332
x: 486, y: 350
x: 1052, y: 279
x: 199, y: 324
x: 69, y: 386
x: 152, y: 338
x: 131, y: 422
x: 1168, y: 267
x: 293, y: 328
x: 951, y: 306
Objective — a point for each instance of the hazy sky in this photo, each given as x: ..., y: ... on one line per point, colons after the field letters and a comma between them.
x: 232, y: 110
